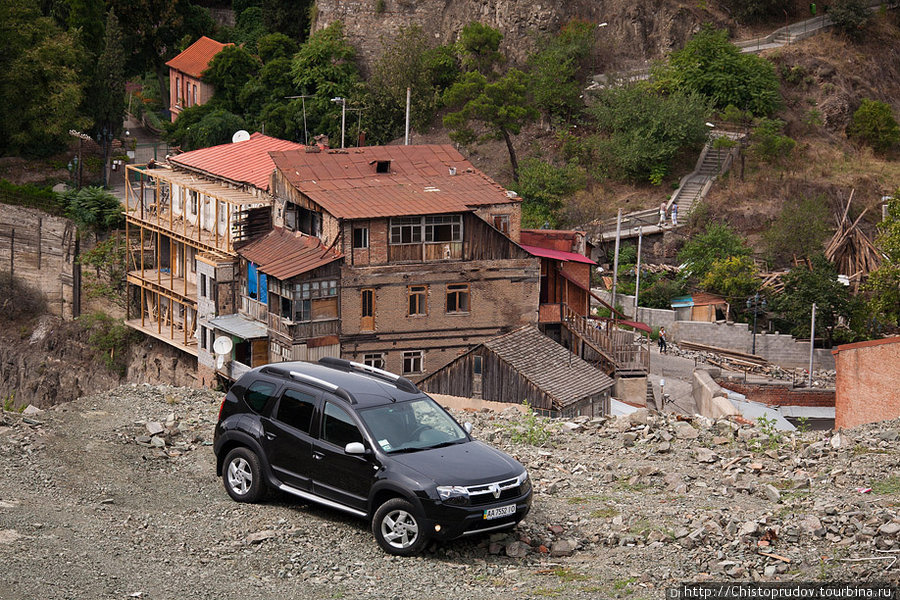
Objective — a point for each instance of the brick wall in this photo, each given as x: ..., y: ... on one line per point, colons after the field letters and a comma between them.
x: 780, y: 394
x: 868, y: 382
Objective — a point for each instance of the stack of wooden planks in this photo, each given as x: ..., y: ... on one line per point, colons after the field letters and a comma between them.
x: 850, y: 249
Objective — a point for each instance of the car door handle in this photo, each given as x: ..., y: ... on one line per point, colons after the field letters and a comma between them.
x: 318, y: 455
x: 271, y: 436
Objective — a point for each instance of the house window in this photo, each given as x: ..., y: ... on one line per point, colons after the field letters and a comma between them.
x: 418, y: 300
x: 194, y: 199
x: 203, y: 345
x: 360, y: 237
x: 501, y: 223
x: 315, y: 300
x: 375, y: 359
x: 257, y: 287
x: 194, y: 94
x: 406, y: 230
x: 383, y: 166
x: 223, y: 211
x: 443, y: 228
x: 458, y: 298
x: 476, y: 365
x: 367, y: 320
x: 413, y: 362
x: 203, y: 285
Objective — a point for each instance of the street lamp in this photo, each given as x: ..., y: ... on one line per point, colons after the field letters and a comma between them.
x: 82, y: 137
x: 756, y: 304
x: 343, y: 102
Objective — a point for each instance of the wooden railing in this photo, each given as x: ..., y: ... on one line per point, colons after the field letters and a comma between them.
x: 616, y: 346
x: 304, y: 330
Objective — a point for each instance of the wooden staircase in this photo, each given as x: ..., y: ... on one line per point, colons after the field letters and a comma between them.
x: 617, y: 348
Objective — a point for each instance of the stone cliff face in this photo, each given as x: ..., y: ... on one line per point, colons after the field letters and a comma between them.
x: 636, y: 31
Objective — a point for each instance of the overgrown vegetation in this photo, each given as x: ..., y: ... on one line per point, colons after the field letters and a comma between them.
x: 531, y: 429
x: 105, y: 270
x: 109, y: 340
x: 874, y: 124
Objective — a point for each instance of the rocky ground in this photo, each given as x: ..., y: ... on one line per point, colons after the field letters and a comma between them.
x: 115, y: 496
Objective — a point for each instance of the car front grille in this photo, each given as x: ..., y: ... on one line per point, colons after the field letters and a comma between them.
x: 498, y: 491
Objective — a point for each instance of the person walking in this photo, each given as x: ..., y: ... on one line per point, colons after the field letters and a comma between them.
x: 662, y: 340
x: 675, y: 215
x: 662, y: 214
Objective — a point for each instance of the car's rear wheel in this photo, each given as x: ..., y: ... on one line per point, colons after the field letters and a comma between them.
x: 398, y: 528
x: 243, y: 476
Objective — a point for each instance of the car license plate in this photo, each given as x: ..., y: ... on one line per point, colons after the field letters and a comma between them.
x: 500, y: 511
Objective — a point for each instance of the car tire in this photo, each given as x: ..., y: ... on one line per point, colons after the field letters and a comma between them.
x: 242, y: 475
x: 399, y: 529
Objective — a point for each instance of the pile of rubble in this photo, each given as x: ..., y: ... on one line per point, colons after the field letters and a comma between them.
x: 821, y: 378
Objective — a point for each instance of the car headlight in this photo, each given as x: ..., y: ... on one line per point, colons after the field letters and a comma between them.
x: 524, y: 483
x: 453, y: 494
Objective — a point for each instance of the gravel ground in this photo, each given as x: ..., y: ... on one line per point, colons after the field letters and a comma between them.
x: 92, y: 507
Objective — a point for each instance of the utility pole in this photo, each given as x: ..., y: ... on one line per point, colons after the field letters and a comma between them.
x: 812, y: 344
x: 616, y: 262
x: 637, y: 281
x: 408, y: 98
x: 343, y: 102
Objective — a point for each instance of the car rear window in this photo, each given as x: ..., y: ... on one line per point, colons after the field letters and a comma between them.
x: 258, y: 394
x: 296, y: 409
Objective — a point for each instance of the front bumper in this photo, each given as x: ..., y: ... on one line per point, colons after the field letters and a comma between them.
x: 458, y: 521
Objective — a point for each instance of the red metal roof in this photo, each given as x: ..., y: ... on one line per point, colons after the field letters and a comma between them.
x: 242, y: 162
x: 195, y: 58
x: 557, y: 254
x: 284, y: 254
x: 419, y: 182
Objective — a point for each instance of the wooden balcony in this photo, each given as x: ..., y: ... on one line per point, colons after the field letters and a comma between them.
x: 298, y: 332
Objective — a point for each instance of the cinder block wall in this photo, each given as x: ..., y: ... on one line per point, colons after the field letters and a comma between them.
x: 781, y: 394
x: 868, y: 382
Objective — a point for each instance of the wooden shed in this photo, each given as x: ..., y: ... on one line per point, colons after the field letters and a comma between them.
x: 525, y: 366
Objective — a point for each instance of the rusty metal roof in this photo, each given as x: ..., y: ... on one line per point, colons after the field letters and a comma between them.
x: 284, y: 254
x: 556, y: 371
x: 557, y: 255
x: 195, y: 58
x: 420, y: 180
x: 242, y: 162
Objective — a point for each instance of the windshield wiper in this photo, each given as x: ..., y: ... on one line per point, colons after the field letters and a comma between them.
x: 409, y: 449
x: 444, y: 444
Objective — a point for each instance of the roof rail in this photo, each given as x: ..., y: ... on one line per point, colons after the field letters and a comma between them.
x: 401, y: 383
x: 326, y: 385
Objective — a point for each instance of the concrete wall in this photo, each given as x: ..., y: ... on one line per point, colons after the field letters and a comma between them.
x: 39, y: 249
x: 868, y: 382
x: 709, y: 396
x: 780, y: 393
x: 777, y: 348
x: 632, y: 390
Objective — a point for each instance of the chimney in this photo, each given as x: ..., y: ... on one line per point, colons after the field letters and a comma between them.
x: 321, y: 141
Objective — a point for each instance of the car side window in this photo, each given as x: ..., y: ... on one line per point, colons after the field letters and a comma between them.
x: 258, y: 394
x: 337, y: 426
x: 296, y: 409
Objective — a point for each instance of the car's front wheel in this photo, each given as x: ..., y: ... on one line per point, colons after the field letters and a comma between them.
x: 398, y: 528
x: 243, y: 476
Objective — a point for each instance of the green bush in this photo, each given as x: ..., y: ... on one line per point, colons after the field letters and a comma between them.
x: 558, y: 70
x: 717, y: 242
x: 768, y: 144
x: 544, y: 187
x: 873, y: 124
x: 109, y: 339
x: 799, y: 230
x: 94, y: 208
x: 849, y: 17
x: 32, y: 196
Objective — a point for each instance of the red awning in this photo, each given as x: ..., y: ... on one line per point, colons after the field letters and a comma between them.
x: 637, y: 325
x: 557, y: 254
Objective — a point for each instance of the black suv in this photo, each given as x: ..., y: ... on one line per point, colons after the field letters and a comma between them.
x: 367, y: 442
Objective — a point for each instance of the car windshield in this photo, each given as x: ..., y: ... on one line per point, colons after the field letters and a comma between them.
x: 414, y: 425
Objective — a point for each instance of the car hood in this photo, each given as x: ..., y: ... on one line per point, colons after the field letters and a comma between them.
x: 469, y: 463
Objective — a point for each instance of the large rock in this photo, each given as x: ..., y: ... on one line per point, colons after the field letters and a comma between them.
x: 565, y: 547
x: 517, y: 549
x: 685, y: 431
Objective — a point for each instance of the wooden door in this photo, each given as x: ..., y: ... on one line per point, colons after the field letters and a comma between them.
x: 367, y: 321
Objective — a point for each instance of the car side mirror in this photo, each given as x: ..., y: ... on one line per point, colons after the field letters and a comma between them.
x: 468, y: 427
x: 355, y: 448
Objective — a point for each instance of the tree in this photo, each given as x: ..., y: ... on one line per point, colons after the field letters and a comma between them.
x: 646, y: 130
x: 557, y: 70
x: 228, y: 72
x: 733, y: 277
x: 501, y: 107
x: 107, y: 92
x: 849, y: 17
x: 479, y: 48
x: 94, y: 208
x: 406, y: 61
x: 40, y: 82
x: 883, y: 285
x: 290, y: 17
x: 799, y: 230
x: 275, y: 45
x: 873, y: 123
x: 249, y: 27
x: 711, y: 65
x: 803, y: 287
x: 107, y: 260
x: 717, y: 242
x: 325, y: 68
x: 543, y: 188
x: 273, y: 84
x: 86, y: 18
x: 214, y: 128
x: 767, y: 142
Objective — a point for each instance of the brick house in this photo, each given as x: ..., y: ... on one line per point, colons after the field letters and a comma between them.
x: 868, y: 382
x: 430, y: 264
x: 186, y: 85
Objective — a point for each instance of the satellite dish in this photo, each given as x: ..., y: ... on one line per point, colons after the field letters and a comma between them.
x: 222, y: 347
x: 240, y: 136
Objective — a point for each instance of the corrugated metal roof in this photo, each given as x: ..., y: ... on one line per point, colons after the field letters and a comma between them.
x: 419, y: 182
x: 242, y: 162
x: 240, y: 326
x: 557, y: 254
x: 195, y: 58
x: 284, y: 254
x: 559, y: 373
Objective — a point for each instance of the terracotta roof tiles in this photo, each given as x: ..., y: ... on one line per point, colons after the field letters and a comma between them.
x: 284, y: 254
x: 195, y: 58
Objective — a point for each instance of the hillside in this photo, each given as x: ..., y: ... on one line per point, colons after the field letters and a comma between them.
x: 92, y: 505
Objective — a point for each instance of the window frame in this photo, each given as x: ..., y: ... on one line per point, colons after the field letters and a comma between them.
x: 418, y: 295
x: 413, y: 356
x: 503, y: 226
x: 375, y: 359
x: 364, y: 238
x: 462, y: 289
